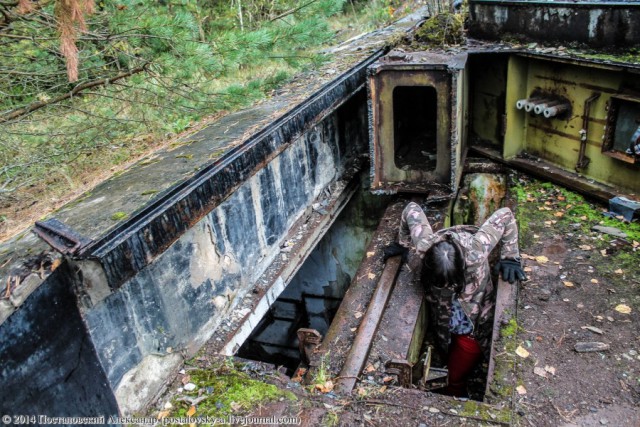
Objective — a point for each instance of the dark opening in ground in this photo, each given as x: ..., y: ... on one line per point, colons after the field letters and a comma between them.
x: 415, y: 114
x: 313, y: 296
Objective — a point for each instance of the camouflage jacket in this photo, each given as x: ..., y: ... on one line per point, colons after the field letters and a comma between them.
x: 477, y: 297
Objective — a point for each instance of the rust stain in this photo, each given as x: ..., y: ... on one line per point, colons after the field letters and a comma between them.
x: 555, y: 132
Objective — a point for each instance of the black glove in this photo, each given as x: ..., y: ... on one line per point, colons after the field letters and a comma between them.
x: 511, y: 270
x: 395, y: 249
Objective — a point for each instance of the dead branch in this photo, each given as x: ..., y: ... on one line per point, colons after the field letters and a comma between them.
x: 289, y: 12
x: 14, y: 114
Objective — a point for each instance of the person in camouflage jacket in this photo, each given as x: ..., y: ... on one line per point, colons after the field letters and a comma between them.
x: 462, y: 305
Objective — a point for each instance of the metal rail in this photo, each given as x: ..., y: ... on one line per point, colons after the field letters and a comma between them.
x: 362, y: 343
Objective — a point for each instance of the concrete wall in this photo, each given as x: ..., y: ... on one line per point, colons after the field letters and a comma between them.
x: 597, y: 24
x: 47, y: 357
x: 174, y: 305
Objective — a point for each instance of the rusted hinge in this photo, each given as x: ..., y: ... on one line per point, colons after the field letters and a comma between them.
x: 60, y: 237
x: 308, y: 339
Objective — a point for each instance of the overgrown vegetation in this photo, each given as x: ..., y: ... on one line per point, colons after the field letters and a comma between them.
x: 442, y: 30
x: 146, y: 72
x: 574, y: 217
x: 223, y: 390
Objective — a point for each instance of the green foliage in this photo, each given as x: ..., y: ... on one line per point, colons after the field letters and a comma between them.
x: 181, y: 61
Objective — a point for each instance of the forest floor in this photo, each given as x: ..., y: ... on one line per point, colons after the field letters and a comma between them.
x: 582, y: 287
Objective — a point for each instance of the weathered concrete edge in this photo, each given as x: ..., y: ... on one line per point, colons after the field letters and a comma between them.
x: 278, y: 275
x: 128, y: 249
x: 598, y: 24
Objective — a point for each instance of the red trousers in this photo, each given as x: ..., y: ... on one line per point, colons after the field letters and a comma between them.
x: 464, y: 354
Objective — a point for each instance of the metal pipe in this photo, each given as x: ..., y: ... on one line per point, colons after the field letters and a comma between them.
x: 520, y: 103
x: 583, y: 161
x: 530, y: 105
x: 539, y: 108
x: 558, y: 109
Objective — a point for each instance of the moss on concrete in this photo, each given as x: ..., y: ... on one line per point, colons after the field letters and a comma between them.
x: 222, y: 391
x: 473, y: 408
x: 441, y: 30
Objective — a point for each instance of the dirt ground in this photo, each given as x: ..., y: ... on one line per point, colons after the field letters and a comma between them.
x: 582, y: 288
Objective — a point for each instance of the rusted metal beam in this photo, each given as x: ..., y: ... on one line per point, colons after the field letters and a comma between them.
x: 362, y: 343
x: 333, y: 351
x: 60, y: 237
x: 506, y: 308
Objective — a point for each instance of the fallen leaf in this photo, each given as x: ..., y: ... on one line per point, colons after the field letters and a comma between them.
x: 622, y: 308
x: 370, y: 254
x: 56, y: 263
x: 585, y: 247
x: 542, y: 259
x: 593, y: 329
x: 387, y: 379
x: 594, y: 280
x: 539, y: 338
x: 550, y: 369
x: 326, y: 387
x: 558, y: 214
x: 568, y: 284
x: 383, y: 389
x: 369, y: 368
x: 186, y: 379
x: 163, y: 414
x: 619, y: 271
x: 525, y: 256
x: 561, y: 198
x: 540, y: 372
x: 522, y: 352
x: 362, y: 392
x: 535, y: 236
x: 604, y: 253
x: 235, y: 407
x: 528, y: 269
x: 521, y: 390
x: 583, y: 217
x: 191, y: 411
x: 371, y: 276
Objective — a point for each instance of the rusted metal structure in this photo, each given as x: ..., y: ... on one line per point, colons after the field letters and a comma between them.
x: 417, y: 123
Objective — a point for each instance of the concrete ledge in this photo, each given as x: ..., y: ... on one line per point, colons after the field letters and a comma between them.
x: 597, y: 24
